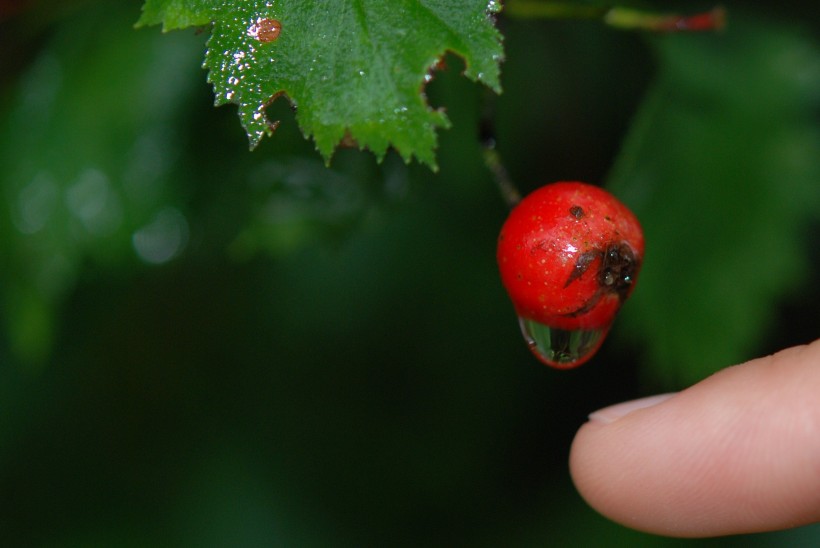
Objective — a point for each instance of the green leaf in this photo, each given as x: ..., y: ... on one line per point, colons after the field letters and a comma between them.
x: 354, y: 70
x: 179, y: 14
x: 722, y: 167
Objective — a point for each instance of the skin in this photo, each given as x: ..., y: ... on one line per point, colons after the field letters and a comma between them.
x: 551, y: 250
x: 736, y: 453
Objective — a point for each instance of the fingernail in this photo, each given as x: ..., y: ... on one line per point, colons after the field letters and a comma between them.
x: 612, y: 413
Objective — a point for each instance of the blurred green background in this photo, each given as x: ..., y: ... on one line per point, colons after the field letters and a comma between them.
x: 204, y: 346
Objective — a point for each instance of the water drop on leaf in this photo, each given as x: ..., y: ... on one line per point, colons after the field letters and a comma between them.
x: 265, y: 30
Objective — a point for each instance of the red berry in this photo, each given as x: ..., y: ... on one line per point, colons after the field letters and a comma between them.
x: 569, y: 255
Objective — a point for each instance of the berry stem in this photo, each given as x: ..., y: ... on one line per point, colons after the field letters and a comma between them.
x: 533, y: 9
x: 502, y: 178
x: 618, y: 17
x: 492, y: 159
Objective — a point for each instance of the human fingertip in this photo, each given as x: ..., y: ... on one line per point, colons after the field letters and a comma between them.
x: 610, y: 414
x: 735, y: 453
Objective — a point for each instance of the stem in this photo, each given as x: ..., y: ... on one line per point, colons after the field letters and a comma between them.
x: 502, y: 178
x: 492, y: 159
x: 533, y: 9
x: 625, y: 18
x: 618, y: 17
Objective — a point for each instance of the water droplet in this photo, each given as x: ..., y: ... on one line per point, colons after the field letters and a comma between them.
x: 561, y: 348
x: 265, y: 30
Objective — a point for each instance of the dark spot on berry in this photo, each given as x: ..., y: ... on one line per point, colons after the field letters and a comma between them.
x: 576, y: 211
x: 540, y: 246
x: 582, y: 265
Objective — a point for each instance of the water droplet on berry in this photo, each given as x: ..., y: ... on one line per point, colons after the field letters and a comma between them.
x: 561, y: 348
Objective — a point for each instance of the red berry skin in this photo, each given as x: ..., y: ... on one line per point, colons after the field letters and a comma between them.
x: 569, y: 255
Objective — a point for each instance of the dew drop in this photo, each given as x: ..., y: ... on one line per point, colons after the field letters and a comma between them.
x: 493, y: 6
x: 561, y: 348
x: 265, y: 30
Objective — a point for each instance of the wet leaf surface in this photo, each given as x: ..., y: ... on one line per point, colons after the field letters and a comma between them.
x: 354, y: 71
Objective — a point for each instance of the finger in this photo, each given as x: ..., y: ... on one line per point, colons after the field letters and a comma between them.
x: 738, y: 452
